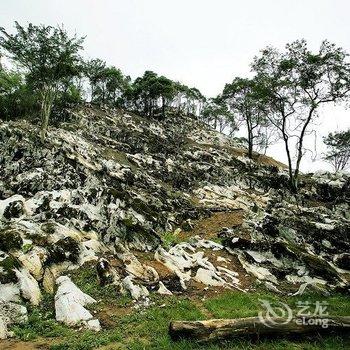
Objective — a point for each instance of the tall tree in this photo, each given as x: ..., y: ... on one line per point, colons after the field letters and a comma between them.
x: 296, y: 83
x: 152, y: 94
x: 244, y: 99
x: 338, y: 149
x: 216, y: 114
x: 49, y: 58
x: 93, y: 69
x: 107, y: 84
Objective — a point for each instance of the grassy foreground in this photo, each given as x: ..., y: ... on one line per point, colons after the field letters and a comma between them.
x: 128, y: 328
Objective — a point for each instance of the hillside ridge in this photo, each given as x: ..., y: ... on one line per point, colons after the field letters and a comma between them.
x: 157, y: 206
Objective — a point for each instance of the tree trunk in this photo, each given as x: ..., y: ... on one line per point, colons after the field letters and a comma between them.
x: 285, y: 136
x: 46, y: 106
x: 163, y: 107
x: 250, y: 136
x: 300, y: 147
x: 253, y: 326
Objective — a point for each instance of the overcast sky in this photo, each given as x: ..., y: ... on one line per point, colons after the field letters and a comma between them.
x: 203, y: 43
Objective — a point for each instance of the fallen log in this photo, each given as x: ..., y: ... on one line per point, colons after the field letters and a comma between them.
x: 217, y: 329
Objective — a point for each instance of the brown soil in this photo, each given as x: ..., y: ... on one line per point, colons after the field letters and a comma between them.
x: 209, y: 228
x: 13, y: 344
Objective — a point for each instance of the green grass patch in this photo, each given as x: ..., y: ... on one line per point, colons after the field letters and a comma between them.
x: 86, y: 279
x: 170, y: 238
x: 147, y: 329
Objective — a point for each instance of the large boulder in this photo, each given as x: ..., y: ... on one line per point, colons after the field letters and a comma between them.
x: 69, y: 305
x: 11, y: 313
x: 28, y: 286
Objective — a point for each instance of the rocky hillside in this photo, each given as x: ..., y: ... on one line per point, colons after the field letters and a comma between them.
x: 157, y: 207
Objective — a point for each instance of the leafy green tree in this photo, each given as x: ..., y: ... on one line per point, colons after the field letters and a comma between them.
x: 16, y: 100
x: 48, y: 56
x: 93, y: 71
x: 195, y: 101
x: 115, y: 85
x: 165, y: 89
x: 244, y: 99
x: 339, y: 149
x: 107, y: 84
x: 216, y: 114
x: 295, y: 84
x: 151, y: 93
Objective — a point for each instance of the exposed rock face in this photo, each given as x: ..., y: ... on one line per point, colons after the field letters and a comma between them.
x: 188, y: 261
x: 9, y: 292
x: 106, y: 186
x: 28, y: 286
x: 136, y: 291
x: 11, y: 313
x: 119, y: 175
x: 133, y: 266
x: 69, y: 305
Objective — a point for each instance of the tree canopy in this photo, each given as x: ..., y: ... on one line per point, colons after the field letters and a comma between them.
x: 49, y: 57
x: 338, y: 149
x: 243, y: 96
x: 282, y: 99
x: 294, y: 84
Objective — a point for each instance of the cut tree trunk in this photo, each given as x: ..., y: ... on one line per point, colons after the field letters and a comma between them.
x: 253, y: 326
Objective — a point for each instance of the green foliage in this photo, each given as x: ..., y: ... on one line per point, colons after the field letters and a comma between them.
x: 217, y: 114
x: 170, y: 238
x: 338, y: 149
x: 27, y: 248
x: 16, y: 99
x: 294, y: 85
x: 86, y: 279
x: 108, y: 84
x: 49, y: 59
x: 245, y: 100
x: 41, y: 322
x: 50, y: 76
x: 152, y: 95
x: 48, y: 55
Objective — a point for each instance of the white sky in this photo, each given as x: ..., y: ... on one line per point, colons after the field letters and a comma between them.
x: 203, y: 43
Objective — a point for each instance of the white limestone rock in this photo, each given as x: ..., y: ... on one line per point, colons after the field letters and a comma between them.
x: 9, y: 292
x: 8, y: 201
x: 69, y: 305
x: 163, y: 290
x: 135, y: 267
x: 11, y: 313
x: 260, y: 272
x: 28, y: 286
x: 209, y: 278
x: 32, y: 261
x: 3, y: 329
x: 136, y: 291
